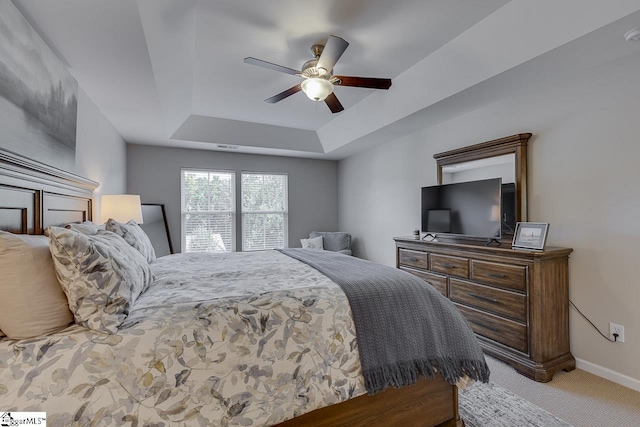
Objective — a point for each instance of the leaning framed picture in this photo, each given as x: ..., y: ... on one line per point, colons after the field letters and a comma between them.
x: 155, y: 226
x: 530, y: 235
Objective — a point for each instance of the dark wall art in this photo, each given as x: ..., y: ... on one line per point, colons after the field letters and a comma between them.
x: 38, y: 95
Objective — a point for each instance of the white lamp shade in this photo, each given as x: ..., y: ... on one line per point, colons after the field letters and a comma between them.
x: 317, y: 89
x: 121, y: 207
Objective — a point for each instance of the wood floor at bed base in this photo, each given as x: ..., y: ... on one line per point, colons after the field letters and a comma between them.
x: 427, y: 403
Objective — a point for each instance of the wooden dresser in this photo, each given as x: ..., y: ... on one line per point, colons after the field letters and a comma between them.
x: 516, y: 301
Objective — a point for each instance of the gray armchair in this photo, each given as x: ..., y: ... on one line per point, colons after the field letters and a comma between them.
x: 335, y: 241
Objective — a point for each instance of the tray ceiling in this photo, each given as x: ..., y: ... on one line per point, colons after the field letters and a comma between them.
x: 171, y: 72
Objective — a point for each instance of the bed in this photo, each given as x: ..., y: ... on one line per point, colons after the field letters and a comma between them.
x: 172, y: 362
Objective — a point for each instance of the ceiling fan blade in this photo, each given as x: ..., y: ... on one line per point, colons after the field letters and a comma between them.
x: 333, y: 103
x: 282, y: 95
x: 369, y: 82
x: 333, y: 50
x: 271, y: 66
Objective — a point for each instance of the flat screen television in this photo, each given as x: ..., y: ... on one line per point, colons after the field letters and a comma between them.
x: 471, y: 209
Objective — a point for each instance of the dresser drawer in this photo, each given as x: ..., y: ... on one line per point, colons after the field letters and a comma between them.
x: 507, y: 332
x: 437, y: 281
x: 451, y: 265
x: 504, y: 303
x: 505, y: 275
x: 414, y: 259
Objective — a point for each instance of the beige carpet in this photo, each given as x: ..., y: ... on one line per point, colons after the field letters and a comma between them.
x: 578, y: 397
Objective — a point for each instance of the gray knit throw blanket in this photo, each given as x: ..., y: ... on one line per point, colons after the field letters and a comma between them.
x: 405, y: 328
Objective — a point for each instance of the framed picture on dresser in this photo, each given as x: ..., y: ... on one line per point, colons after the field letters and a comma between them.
x: 530, y: 235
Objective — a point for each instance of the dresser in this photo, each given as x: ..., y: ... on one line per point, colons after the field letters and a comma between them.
x: 516, y: 301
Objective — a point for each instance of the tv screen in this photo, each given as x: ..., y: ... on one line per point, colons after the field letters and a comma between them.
x: 466, y: 208
x: 439, y: 220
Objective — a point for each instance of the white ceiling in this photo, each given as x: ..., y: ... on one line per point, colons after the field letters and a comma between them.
x: 171, y: 72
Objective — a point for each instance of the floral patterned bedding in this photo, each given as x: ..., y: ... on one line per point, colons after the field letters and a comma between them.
x: 234, y: 339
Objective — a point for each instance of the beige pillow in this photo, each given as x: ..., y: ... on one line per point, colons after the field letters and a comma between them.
x: 32, y: 302
x: 101, y: 274
x: 133, y: 235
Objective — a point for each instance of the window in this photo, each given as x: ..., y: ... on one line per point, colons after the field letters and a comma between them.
x: 265, y: 209
x: 208, y: 210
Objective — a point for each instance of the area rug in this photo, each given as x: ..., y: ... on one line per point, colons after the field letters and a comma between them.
x: 489, y: 405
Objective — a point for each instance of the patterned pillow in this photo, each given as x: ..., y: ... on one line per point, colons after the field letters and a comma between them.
x: 101, y: 274
x: 133, y: 235
x: 315, y: 243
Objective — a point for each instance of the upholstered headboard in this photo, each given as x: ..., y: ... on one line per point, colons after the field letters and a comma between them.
x: 34, y: 196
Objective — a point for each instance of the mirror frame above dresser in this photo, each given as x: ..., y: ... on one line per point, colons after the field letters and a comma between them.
x: 516, y: 301
x: 515, y: 145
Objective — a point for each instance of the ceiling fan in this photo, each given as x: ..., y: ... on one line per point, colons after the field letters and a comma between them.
x: 318, y: 76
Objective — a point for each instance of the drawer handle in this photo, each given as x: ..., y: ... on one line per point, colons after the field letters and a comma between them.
x: 483, y: 298
x: 448, y: 266
x: 413, y: 259
x: 498, y: 275
x: 491, y: 328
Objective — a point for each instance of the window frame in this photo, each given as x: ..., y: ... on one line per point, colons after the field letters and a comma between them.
x: 232, y: 212
x: 284, y: 212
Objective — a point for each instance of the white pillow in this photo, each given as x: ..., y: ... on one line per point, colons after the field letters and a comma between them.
x: 32, y: 302
x: 86, y: 227
x: 315, y: 243
x: 101, y: 274
x: 133, y: 235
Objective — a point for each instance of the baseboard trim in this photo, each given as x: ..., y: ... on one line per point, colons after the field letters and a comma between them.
x: 608, y: 374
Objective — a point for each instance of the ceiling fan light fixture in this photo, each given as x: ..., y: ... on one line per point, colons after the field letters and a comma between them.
x: 317, y: 74
x: 317, y: 89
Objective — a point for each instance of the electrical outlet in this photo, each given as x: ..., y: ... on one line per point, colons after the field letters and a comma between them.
x: 616, y: 329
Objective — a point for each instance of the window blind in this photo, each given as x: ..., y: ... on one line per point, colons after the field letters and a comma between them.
x: 208, y: 210
x: 265, y: 211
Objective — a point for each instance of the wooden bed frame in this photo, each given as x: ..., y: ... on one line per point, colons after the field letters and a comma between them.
x: 34, y: 196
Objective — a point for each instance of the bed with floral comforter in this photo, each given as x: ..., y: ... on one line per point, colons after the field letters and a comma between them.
x: 234, y: 339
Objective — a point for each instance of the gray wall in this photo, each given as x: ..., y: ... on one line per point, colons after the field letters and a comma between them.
x: 154, y: 173
x: 101, y: 153
x: 583, y: 179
